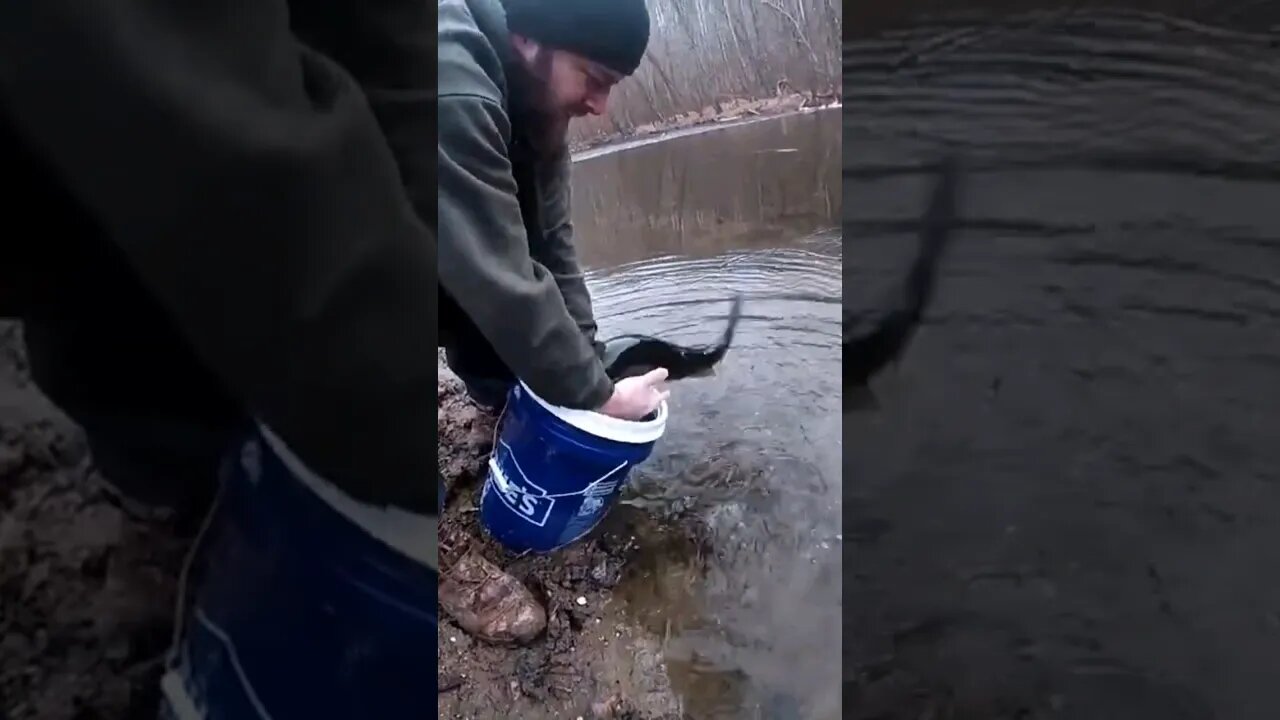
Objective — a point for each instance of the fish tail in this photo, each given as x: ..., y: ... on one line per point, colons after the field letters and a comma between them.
x: 714, y: 354
x: 867, y: 355
x: 735, y: 314
x: 936, y: 229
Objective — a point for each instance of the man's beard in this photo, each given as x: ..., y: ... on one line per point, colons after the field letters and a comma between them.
x: 545, y: 126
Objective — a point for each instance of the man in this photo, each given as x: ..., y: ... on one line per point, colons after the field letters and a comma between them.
x: 513, y: 302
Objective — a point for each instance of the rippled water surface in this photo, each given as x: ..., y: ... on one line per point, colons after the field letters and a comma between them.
x: 1068, y: 503
x: 669, y: 231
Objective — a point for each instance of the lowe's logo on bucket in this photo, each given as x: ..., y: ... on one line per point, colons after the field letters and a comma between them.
x: 525, y: 499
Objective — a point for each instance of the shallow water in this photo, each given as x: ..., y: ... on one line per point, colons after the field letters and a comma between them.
x: 669, y: 231
x: 1068, y: 504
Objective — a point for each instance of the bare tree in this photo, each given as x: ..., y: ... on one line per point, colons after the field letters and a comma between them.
x: 704, y: 54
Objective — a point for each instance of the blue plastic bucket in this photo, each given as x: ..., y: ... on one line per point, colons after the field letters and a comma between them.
x: 555, y: 472
x: 303, y: 602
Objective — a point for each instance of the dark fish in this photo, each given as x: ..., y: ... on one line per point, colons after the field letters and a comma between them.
x: 634, y: 355
x: 866, y: 355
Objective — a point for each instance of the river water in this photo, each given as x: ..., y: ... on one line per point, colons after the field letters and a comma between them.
x: 668, y: 231
x: 1068, y: 502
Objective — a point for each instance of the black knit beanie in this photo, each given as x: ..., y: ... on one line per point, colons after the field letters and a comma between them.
x: 613, y: 33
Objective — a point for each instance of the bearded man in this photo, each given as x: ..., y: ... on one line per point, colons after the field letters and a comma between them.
x: 513, y: 304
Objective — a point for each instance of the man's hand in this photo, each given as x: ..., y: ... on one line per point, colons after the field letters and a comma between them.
x: 635, y: 397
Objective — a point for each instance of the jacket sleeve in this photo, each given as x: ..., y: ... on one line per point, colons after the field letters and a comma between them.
x: 485, y: 262
x: 252, y: 191
x: 558, y: 253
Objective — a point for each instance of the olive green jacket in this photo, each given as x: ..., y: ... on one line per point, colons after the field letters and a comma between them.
x: 229, y: 210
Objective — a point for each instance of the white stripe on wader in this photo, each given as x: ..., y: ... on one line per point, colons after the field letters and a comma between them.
x: 181, y: 702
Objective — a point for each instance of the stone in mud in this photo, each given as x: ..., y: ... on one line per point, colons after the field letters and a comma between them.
x: 490, y: 604
x: 614, y: 707
x: 606, y: 573
x: 444, y: 683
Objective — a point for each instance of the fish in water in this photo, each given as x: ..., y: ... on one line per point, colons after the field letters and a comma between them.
x: 866, y: 355
x: 634, y: 355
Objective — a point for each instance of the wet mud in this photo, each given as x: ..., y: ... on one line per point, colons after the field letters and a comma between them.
x: 87, y: 587
x: 1065, y: 505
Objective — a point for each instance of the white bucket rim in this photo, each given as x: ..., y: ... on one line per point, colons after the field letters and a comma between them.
x: 413, y: 535
x: 632, y: 432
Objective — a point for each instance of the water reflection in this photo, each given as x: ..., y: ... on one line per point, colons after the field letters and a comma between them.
x: 762, y: 184
x: 670, y: 231
x: 1064, y: 507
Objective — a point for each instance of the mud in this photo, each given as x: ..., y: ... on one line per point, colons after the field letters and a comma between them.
x: 592, y: 661
x: 86, y: 585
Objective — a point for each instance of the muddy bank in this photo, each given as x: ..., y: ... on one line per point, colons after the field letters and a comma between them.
x: 591, y: 661
x: 86, y: 587
x: 729, y: 111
